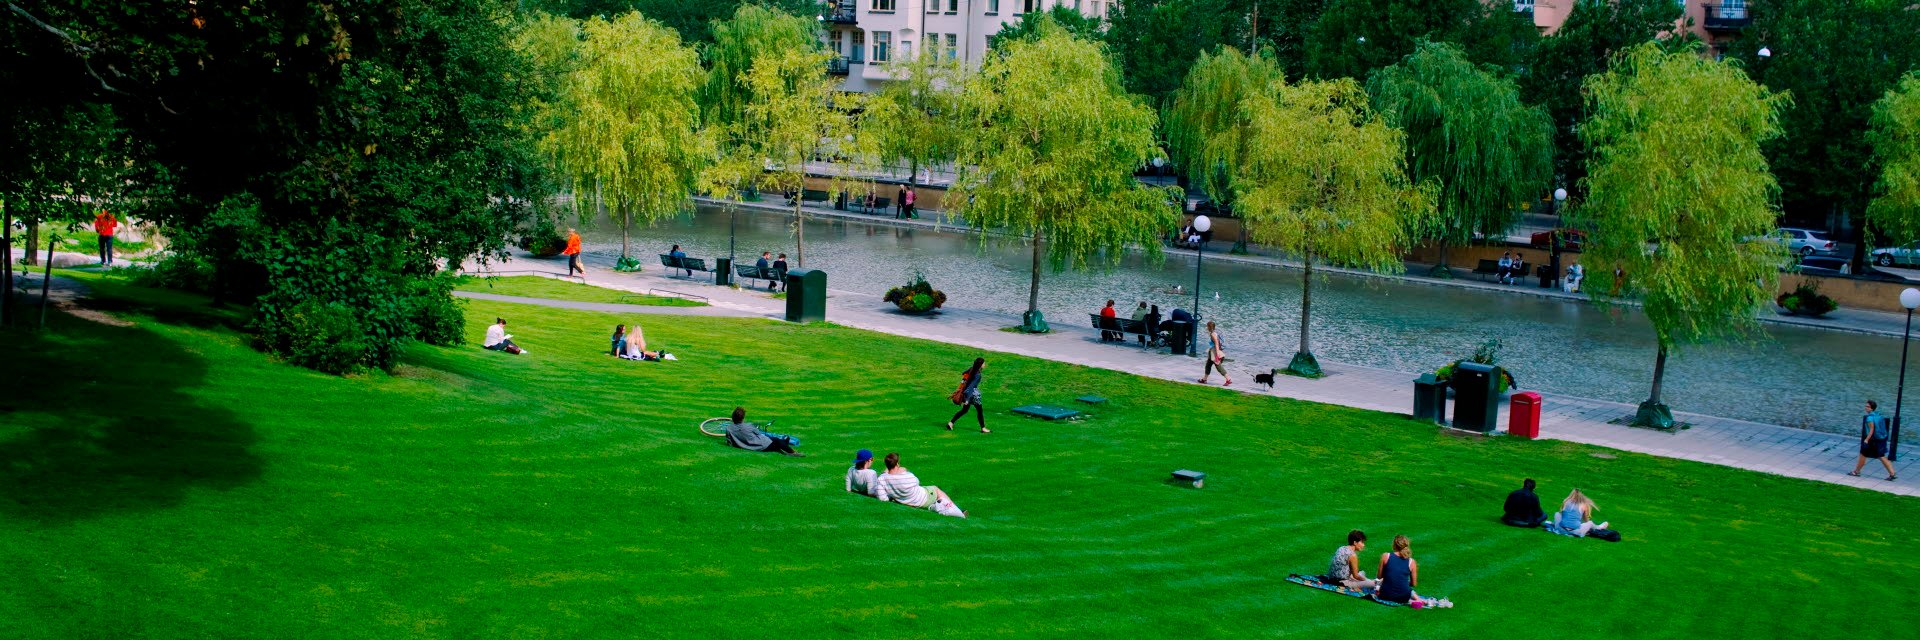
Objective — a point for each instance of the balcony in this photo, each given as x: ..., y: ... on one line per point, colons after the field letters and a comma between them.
x: 838, y: 66
x: 1523, y: 6
x: 1723, y: 18
x: 841, y: 12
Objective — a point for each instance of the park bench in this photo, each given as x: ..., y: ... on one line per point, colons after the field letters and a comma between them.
x: 1124, y: 326
x: 1492, y: 268
x: 811, y: 195
x: 754, y: 272
x: 879, y: 205
x: 673, y: 262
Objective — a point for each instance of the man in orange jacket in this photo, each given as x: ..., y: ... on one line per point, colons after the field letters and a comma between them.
x: 572, y: 252
x: 104, y: 224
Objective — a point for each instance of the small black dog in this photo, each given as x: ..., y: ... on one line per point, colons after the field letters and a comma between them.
x: 1264, y: 378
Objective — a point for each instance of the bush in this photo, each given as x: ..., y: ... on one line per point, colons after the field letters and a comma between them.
x: 1806, y: 300
x: 917, y: 296
x: 1488, y: 353
x: 182, y: 271
x: 543, y: 245
x: 319, y: 336
x: 439, y: 320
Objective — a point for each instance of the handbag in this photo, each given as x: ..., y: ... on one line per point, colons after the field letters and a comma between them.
x: 960, y: 395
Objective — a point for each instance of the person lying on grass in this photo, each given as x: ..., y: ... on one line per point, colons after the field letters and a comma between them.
x: 861, y: 478
x: 747, y: 435
x: 1576, y: 516
x: 634, y: 347
x: 1345, y: 566
x: 900, y: 485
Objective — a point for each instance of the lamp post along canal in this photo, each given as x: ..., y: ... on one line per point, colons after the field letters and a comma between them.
x: 1910, y: 299
x: 1559, y: 200
x: 1201, y: 224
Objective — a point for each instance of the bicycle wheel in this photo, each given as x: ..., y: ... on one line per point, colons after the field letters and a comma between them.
x: 716, y: 427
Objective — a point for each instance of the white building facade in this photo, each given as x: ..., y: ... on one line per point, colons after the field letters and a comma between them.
x: 866, y: 35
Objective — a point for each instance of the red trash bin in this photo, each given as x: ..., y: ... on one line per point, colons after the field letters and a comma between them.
x: 1523, y: 415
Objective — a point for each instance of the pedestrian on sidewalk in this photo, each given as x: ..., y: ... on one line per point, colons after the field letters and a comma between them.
x: 900, y: 203
x: 968, y: 396
x: 572, y: 252
x: 104, y: 224
x: 910, y: 198
x: 1874, y: 433
x: 1216, y: 356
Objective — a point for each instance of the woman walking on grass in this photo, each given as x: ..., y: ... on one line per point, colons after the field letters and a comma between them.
x: 1216, y: 356
x: 968, y: 396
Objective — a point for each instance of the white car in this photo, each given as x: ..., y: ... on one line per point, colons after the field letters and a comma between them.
x: 1804, y: 242
x: 1906, y: 256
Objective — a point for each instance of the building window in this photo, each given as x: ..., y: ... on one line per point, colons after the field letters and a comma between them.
x: 1735, y: 9
x: 835, y: 40
x: 906, y: 49
x: 1523, y: 6
x: 953, y: 7
x: 1030, y: 6
x: 993, y: 7
x: 953, y: 46
x: 882, y: 42
x: 882, y: 5
x: 859, y: 49
x: 933, y: 6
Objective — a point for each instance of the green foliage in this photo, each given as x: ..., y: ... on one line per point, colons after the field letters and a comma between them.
x: 1678, y: 196
x: 917, y: 296
x: 1594, y: 32
x: 1156, y: 42
x: 911, y: 121
x: 329, y: 338
x: 1806, y: 300
x: 1207, y: 131
x: 1896, y: 144
x: 1354, y: 37
x: 1488, y: 353
x: 693, y: 19
x: 180, y: 270
x: 752, y: 32
x: 1055, y: 141
x: 1030, y: 28
x: 1469, y: 133
x: 627, y: 134
x: 438, y: 319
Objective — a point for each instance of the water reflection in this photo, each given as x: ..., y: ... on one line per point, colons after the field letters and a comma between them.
x: 1792, y: 376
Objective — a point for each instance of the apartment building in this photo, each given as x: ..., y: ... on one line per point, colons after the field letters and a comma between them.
x: 866, y: 35
x: 1716, y: 22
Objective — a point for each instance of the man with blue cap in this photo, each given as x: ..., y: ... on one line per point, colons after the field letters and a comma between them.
x: 861, y: 476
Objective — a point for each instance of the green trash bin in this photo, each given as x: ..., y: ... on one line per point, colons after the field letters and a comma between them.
x: 723, y: 271
x: 806, y: 295
x: 1476, y: 397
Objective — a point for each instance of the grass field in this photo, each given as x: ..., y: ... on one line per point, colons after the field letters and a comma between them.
x: 544, y: 287
x: 165, y: 480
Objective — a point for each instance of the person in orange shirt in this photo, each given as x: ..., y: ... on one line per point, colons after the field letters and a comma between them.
x: 104, y: 224
x: 572, y: 252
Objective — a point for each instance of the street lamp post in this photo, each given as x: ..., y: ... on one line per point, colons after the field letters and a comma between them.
x: 1553, y: 237
x: 1910, y: 299
x: 1201, y: 224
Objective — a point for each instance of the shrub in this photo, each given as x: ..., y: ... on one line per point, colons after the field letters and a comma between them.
x: 1488, y: 353
x: 543, y: 245
x: 916, y: 296
x: 319, y: 336
x: 439, y: 320
x: 1806, y: 300
x: 182, y: 271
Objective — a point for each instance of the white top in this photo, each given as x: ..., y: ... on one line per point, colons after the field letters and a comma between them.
x: 496, y: 334
x: 861, y: 481
x: 902, y: 487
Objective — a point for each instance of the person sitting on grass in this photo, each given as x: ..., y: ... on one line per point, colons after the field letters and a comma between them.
x: 1399, y: 573
x: 1523, y: 507
x: 499, y: 340
x: 1344, y: 569
x: 861, y: 478
x: 747, y: 435
x: 619, y: 340
x: 1576, y: 516
x: 634, y: 347
x: 900, y: 485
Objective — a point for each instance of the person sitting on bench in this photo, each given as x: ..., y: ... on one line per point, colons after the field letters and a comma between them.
x: 861, y: 478
x: 763, y: 264
x: 1506, y: 268
x: 678, y: 255
x: 900, y: 485
x: 1523, y: 507
x: 499, y: 340
x: 1344, y: 569
x: 747, y: 435
x: 1576, y: 516
x: 1108, y: 313
x: 1152, y: 322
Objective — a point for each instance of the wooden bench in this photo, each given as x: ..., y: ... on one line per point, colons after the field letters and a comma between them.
x: 879, y: 205
x: 672, y: 262
x: 811, y: 195
x: 754, y: 272
x: 1124, y: 327
x: 1492, y: 268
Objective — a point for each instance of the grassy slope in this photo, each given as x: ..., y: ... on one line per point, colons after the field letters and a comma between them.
x: 184, y: 485
x: 543, y: 287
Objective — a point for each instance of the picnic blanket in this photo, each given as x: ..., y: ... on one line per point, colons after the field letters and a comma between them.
x: 1317, y: 582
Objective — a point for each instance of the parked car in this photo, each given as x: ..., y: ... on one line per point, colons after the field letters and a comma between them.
x: 1824, y: 266
x: 1571, y: 239
x: 1804, y: 242
x: 1906, y: 256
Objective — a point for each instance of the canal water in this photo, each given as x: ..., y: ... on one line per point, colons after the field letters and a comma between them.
x: 1791, y: 376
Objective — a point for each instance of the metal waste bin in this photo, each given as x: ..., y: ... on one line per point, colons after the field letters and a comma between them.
x: 1476, y: 401
x: 806, y: 295
x: 1523, y: 415
x: 1430, y: 399
x: 723, y: 271
x: 1179, y: 332
x: 1546, y: 275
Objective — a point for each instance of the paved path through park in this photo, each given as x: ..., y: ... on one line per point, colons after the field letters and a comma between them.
x: 1767, y: 448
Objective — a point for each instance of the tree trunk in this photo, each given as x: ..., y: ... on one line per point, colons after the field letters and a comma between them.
x: 1443, y: 255
x: 625, y: 224
x: 913, y: 172
x: 6, y: 270
x: 32, y: 244
x: 799, y: 230
x: 1306, y: 301
x: 1033, y: 290
x: 1659, y: 374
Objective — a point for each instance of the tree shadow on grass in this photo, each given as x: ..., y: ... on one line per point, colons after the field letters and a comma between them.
x: 95, y: 419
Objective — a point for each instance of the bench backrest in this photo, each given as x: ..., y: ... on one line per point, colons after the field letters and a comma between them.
x: 1123, y: 325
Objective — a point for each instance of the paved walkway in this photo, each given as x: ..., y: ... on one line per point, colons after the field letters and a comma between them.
x: 1748, y: 445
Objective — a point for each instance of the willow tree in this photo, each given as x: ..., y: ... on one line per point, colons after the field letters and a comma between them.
x: 628, y: 134
x: 753, y: 31
x: 1323, y: 178
x: 794, y: 110
x: 1675, y: 192
x: 1896, y: 146
x: 1052, y: 145
x: 1470, y: 135
x: 1207, y: 131
x: 911, y: 120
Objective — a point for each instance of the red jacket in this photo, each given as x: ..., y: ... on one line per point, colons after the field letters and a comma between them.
x: 104, y: 224
x: 573, y: 245
x: 1107, y: 312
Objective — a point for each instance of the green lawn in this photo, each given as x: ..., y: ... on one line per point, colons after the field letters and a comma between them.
x: 544, y: 287
x: 166, y: 480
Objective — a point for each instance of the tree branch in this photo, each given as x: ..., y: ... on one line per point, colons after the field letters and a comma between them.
x: 80, y: 51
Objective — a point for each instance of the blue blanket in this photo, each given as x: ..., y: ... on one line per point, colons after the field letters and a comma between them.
x: 1317, y: 583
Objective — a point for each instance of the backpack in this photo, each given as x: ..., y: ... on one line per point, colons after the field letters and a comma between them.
x: 1608, y: 535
